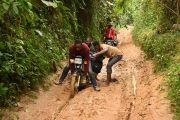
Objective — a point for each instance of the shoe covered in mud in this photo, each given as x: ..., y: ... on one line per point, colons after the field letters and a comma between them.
x: 96, y: 88
x: 114, y: 80
x: 58, y: 82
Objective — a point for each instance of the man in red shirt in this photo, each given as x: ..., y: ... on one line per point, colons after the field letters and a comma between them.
x: 79, y: 49
x: 109, y: 32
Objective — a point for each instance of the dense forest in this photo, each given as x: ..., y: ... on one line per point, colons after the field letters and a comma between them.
x: 35, y: 34
x: 156, y: 30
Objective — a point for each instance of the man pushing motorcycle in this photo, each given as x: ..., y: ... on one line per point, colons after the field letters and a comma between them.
x: 113, y: 53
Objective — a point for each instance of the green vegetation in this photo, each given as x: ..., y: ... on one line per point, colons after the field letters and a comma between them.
x: 153, y: 31
x: 153, y: 21
x: 34, y: 34
x: 173, y: 79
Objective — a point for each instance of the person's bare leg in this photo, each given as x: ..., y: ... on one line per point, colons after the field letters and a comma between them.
x: 108, y: 79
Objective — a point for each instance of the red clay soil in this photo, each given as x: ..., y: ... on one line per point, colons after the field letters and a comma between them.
x: 138, y: 96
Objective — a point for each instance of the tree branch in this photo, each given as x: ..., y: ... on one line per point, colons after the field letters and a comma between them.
x: 171, y: 9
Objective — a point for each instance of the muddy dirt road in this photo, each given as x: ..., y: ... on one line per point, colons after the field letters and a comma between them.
x: 138, y: 96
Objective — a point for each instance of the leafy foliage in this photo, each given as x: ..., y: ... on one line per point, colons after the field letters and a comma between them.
x: 123, y: 11
x: 173, y: 80
x: 153, y: 21
x: 33, y: 34
x: 161, y: 48
x: 3, y: 89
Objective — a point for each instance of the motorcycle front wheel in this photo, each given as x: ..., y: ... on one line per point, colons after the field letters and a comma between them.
x: 74, y: 85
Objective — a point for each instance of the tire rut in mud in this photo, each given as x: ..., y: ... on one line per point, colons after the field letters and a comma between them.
x: 136, y: 97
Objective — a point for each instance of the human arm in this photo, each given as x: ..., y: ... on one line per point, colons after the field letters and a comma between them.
x: 100, y: 52
x: 72, y: 52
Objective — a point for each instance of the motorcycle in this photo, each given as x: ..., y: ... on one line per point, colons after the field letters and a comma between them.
x: 77, y: 82
x: 111, y: 42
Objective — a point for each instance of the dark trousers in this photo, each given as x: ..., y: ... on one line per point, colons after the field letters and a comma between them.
x: 91, y: 74
x: 112, y: 61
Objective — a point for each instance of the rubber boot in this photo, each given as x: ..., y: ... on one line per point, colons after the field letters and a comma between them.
x: 108, y: 78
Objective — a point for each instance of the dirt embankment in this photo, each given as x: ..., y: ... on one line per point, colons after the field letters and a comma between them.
x: 136, y: 97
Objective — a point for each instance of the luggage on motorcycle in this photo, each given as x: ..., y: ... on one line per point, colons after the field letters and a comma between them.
x: 96, y: 66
